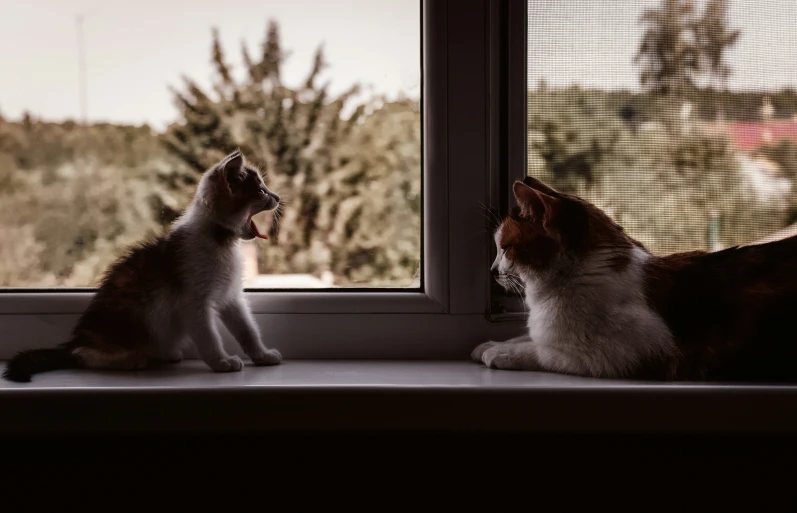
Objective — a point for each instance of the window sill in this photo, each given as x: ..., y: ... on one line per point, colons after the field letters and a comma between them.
x: 382, y: 395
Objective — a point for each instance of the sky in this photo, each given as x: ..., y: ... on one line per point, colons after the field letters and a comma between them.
x: 136, y: 49
x: 593, y: 43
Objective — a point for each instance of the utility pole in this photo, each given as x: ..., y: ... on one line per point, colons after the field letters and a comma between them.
x: 82, y: 70
x: 83, y: 123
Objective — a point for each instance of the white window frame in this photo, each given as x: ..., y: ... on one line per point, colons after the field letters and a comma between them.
x: 468, y: 140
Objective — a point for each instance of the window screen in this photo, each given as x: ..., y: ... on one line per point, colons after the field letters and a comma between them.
x: 678, y: 118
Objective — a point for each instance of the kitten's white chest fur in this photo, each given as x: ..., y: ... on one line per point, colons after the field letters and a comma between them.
x: 213, y: 272
x: 227, y: 278
x: 595, y: 323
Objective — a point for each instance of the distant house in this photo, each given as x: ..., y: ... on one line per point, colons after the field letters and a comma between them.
x: 748, y: 136
x: 762, y: 174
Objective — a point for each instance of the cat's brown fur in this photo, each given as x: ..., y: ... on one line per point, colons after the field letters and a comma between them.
x: 601, y: 305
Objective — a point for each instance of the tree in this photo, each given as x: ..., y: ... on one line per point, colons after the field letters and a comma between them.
x: 332, y: 167
x: 570, y: 133
x: 67, y: 220
x: 661, y: 186
x: 714, y: 37
x: 669, y: 53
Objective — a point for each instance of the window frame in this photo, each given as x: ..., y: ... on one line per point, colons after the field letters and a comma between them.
x: 509, y: 116
x: 470, y: 134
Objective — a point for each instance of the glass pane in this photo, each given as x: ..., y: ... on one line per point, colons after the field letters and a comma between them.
x: 677, y: 117
x: 110, y: 111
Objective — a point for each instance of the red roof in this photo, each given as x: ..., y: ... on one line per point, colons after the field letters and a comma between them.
x: 749, y: 135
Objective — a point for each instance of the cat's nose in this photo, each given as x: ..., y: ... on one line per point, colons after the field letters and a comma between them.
x: 494, y: 272
x: 275, y: 196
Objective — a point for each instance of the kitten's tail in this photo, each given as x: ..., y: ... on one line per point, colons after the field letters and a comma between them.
x: 32, y: 361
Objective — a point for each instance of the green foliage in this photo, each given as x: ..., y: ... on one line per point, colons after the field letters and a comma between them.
x: 74, y: 197
x: 714, y: 37
x: 570, y: 133
x: 670, y: 58
x: 660, y: 184
x: 350, y: 171
x: 680, y: 45
x: 742, y: 105
x: 663, y: 187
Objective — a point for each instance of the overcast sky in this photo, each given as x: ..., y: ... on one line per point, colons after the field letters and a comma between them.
x: 136, y: 48
x: 593, y: 42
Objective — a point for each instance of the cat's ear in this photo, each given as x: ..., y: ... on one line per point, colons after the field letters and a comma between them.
x: 538, y: 185
x: 232, y: 167
x: 535, y: 204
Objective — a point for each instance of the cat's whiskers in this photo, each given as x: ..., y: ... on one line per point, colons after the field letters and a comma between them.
x: 520, y: 287
x: 492, y: 217
x: 276, y: 220
x: 517, y: 287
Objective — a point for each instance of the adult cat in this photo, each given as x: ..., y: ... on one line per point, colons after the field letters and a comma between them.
x: 600, y: 305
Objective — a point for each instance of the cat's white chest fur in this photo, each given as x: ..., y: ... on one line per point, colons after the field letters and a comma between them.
x: 597, y: 323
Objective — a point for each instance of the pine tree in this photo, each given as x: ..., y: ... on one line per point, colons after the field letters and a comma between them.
x: 331, y: 168
x: 669, y: 54
x: 714, y: 37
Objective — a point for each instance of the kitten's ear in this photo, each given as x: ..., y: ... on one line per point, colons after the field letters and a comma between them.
x: 232, y: 167
x: 538, y: 185
x: 535, y: 204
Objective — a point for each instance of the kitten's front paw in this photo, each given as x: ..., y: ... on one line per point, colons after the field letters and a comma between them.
x: 228, y: 364
x: 477, y: 353
x: 267, y: 357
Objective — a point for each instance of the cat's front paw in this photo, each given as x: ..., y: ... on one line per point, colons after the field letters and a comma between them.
x: 227, y: 364
x: 495, y: 358
x: 509, y: 357
x: 267, y: 357
x: 477, y: 353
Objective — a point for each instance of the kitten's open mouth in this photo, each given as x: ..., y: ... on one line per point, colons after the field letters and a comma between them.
x: 254, y: 230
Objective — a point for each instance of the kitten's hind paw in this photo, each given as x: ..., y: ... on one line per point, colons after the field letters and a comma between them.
x: 477, y: 353
x: 227, y: 364
x: 267, y: 357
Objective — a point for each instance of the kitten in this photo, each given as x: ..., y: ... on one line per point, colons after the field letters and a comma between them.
x: 599, y: 304
x: 175, y: 288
